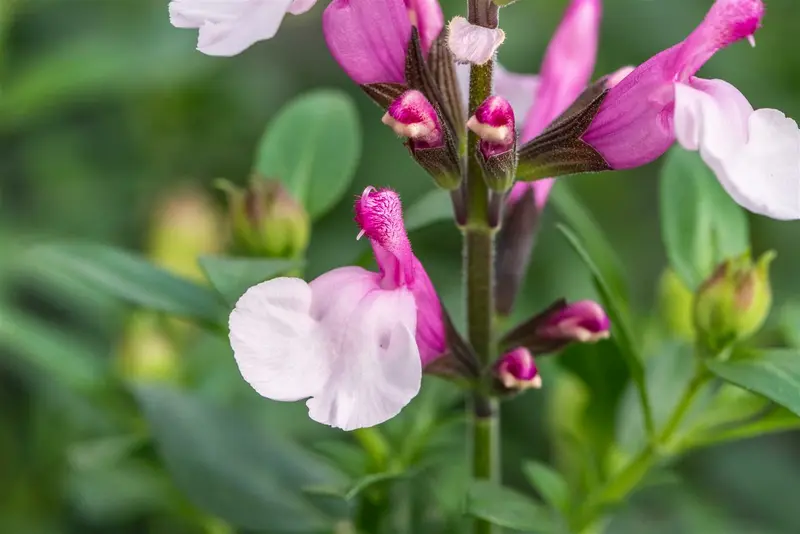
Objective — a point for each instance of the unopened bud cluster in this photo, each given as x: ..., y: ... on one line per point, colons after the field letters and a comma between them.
x: 734, y: 302
x: 266, y: 220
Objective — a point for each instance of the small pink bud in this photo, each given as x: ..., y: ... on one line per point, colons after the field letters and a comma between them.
x: 517, y: 370
x: 493, y: 122
x: 411, y: 115
x: 584, y: 321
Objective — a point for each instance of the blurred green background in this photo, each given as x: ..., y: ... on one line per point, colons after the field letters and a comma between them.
x: 106, y: 111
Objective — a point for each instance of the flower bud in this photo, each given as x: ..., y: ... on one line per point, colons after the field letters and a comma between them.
x: 185, y: 224
x: 584, y: 321
x: 559, y: 325
x: 734, y: 302
x: 411, y: 115
x: 266, y: 221
x: 517, y: 370
x: 494, y: 123
x: 147, y: 354
x: 675, y: 304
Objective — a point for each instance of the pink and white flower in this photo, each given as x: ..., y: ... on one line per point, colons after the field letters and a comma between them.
x: 755, y: 154
x: 353, y: 342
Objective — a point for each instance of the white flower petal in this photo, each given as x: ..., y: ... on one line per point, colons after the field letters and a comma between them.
x: 195, y: 13
x: 755, y: 154
x: 470, y: 43
x: 256, y: 20
x: 378, y: 370
x: 301, y: 6
x: 277, y: 345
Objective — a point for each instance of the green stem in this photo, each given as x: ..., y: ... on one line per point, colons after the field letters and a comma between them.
x: 626, y: 480
x: 479, y: 274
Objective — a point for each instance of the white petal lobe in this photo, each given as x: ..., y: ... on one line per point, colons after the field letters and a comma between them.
x: 276, y: 343
x: 228, y: 27
x: 755, y: 154
x: 470, y: 43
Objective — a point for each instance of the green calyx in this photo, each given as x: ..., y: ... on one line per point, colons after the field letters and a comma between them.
x: 734, y: 302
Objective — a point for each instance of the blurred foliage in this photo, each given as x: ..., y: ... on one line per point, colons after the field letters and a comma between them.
x: 105, y: 109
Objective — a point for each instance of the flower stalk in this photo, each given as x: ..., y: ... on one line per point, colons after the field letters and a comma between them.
x: 479, y: 274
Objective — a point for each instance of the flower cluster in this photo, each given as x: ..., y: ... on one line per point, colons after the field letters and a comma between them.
x: 355, y: 342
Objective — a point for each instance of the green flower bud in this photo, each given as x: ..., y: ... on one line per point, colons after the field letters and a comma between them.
x: 734, y: 302
x: 146, y: 353
x: 675, y: 303
x: 266, y: 220
x: 185, y: 224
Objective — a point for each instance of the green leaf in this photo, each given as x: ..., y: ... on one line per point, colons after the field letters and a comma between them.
x: 50, y: 351
x: 775, y: 374
x: 313, y: 146
x: 231, y: 277
x: 226, y: 466
x: 507, y: 508
x: 127, y: 277
x: 621, y: 329
x: 700, y: 224
x: 549, y: 483
x: 432, y: 207
x: 583, y: 223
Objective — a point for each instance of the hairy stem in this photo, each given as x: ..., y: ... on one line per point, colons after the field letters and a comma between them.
x: 479, y: 274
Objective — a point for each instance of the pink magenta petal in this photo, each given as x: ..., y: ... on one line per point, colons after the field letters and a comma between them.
x: 567, y: 67
x: 368, y: 39
x: 754, y: 154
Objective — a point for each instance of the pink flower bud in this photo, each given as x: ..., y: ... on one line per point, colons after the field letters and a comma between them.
x: 517, y: 370
x: 411, y: 115
x: 494, y: 123
x: 584, y: 321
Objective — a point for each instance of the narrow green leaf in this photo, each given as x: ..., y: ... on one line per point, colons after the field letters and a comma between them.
x: 127, y: 277
x: 507, y: 508
x: 621, y: 329
x: 59, y: 355
x: 549, y: 483
x: 775, y: 374
x: 432, y: 207
x: 231, y: 277
x: 313, y: 146
x: 583, y: 223
x: 226, y: 466
x: 700, y: 224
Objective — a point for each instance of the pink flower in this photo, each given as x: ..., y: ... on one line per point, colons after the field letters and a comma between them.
x: 228, y: 27
x: 755, y: 154
x: 566, y: 70
x: 369, y: 38
x: 517, y: 370
x: 352, y: 341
